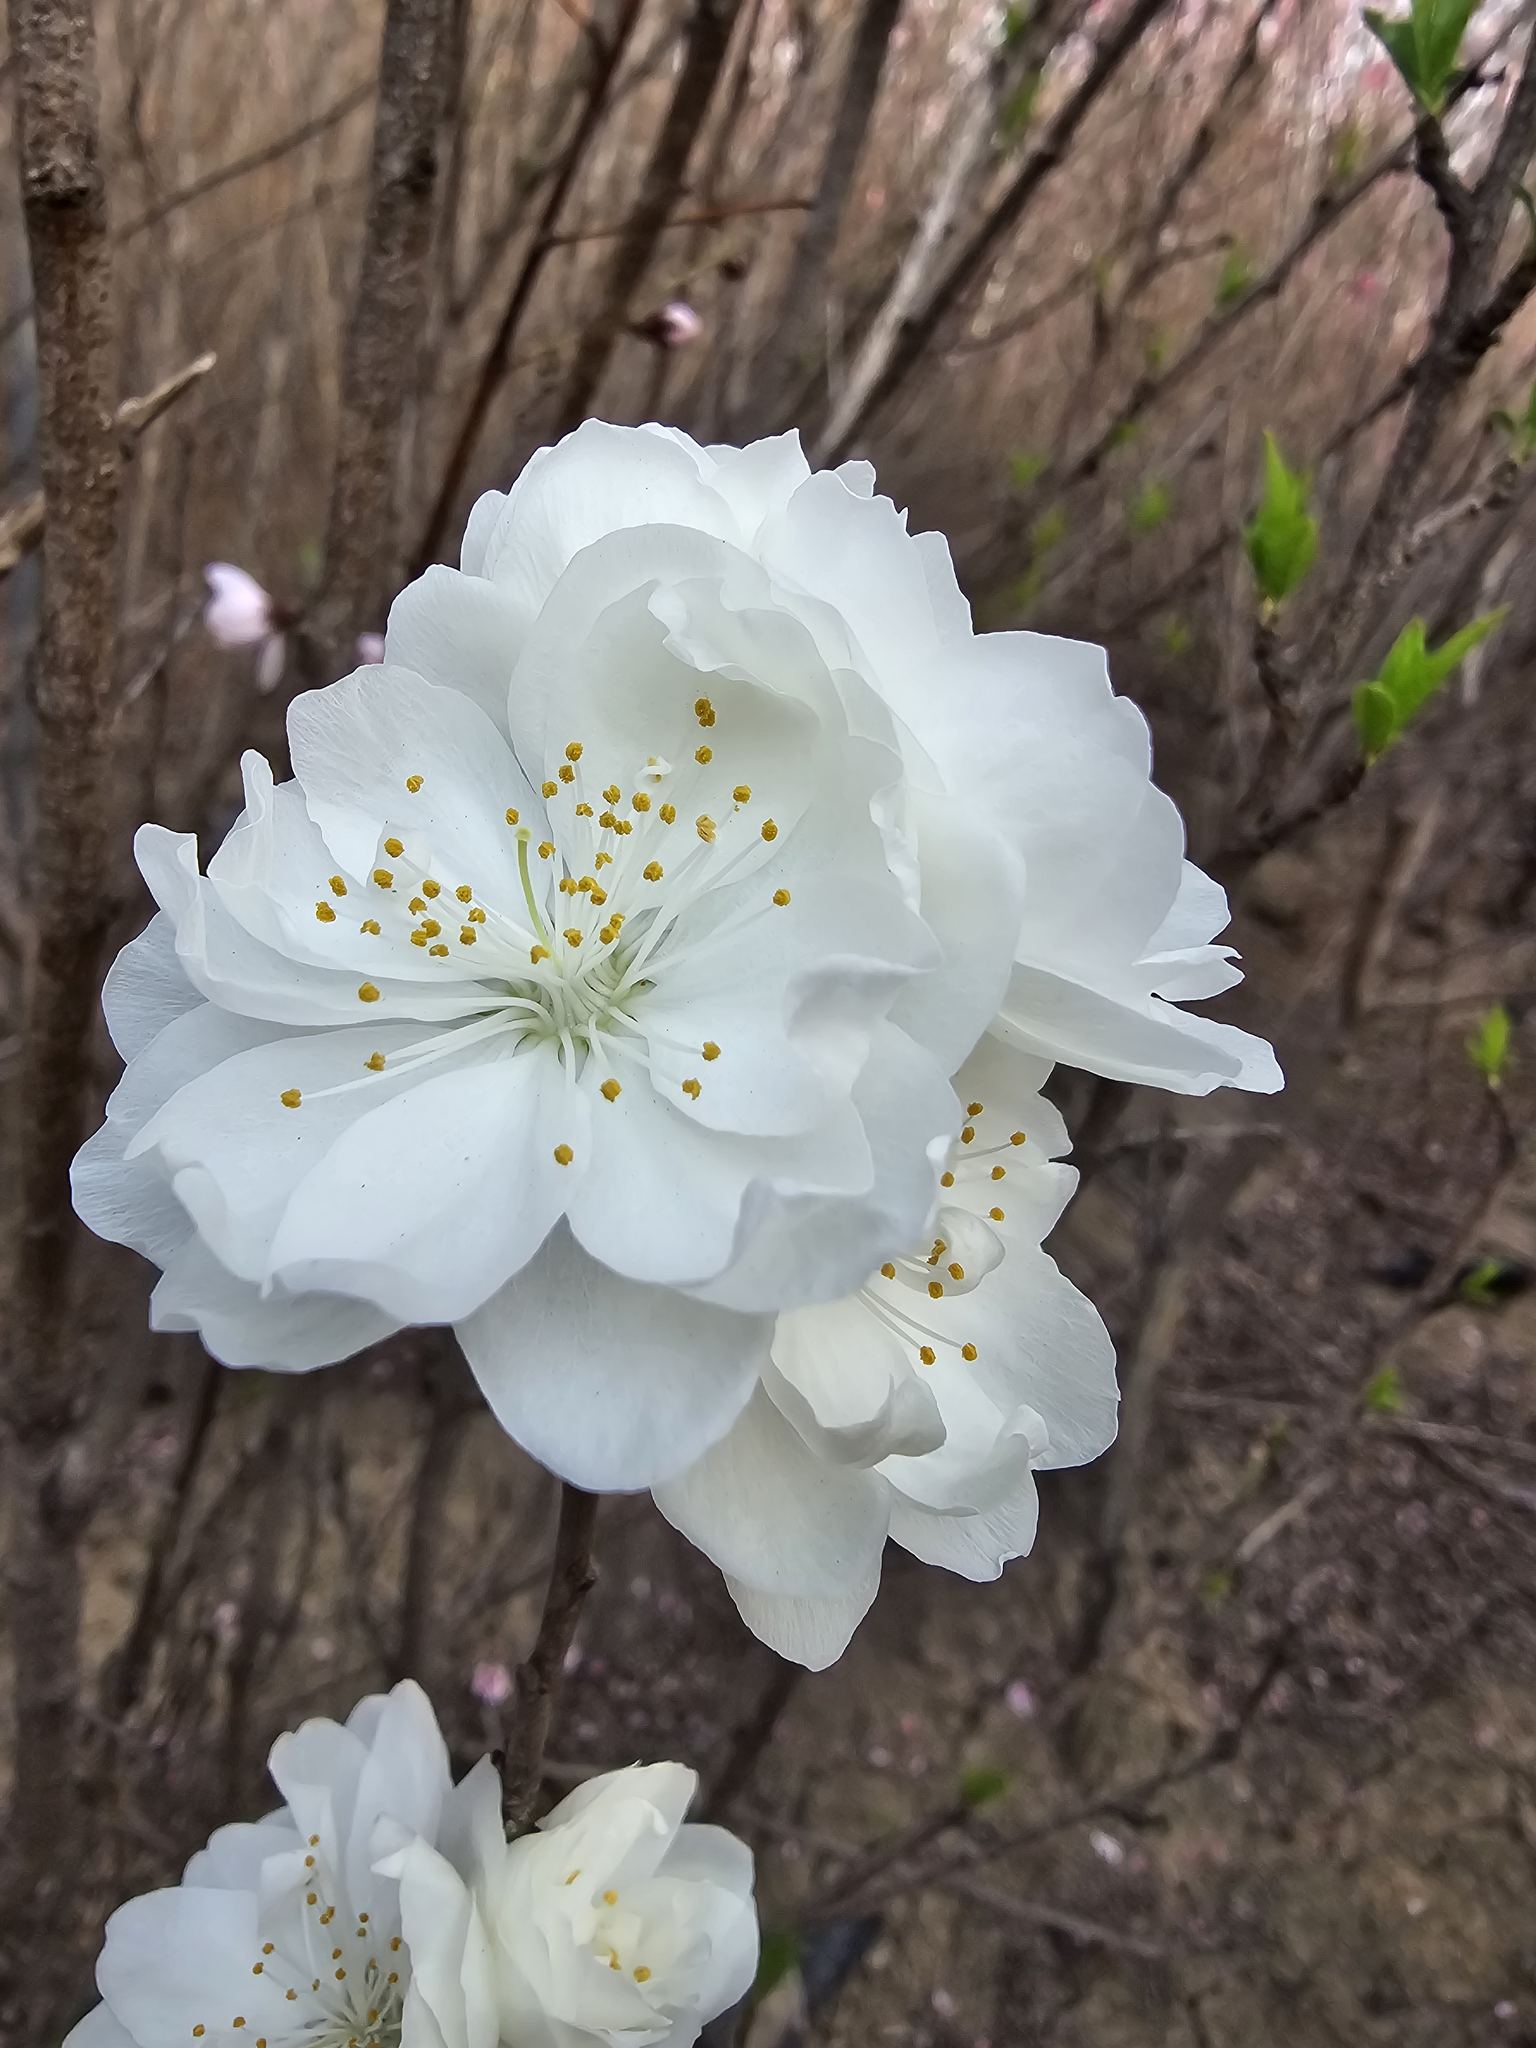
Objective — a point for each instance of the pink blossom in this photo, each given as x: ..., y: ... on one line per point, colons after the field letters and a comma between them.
x: 238, y: 612
x: 370, y: 649
x: 491, y: 1684
x: 674, y: 325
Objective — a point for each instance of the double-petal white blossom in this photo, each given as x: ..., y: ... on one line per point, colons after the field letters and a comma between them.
x: 282, y: 1932
x: 614, y: 1923
x: 920, y: 1407
x: 594, y: 985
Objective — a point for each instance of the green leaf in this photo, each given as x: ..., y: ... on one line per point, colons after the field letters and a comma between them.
x: 1348, y: 148
x: 1410, y: 676
x: 1150, y: 508
x: 1520, y: 427
x: 1488, y: 1283
x: 1019, y: 108
x: 1236, y: 276
x: 1281, y: 538
x: 982, y: 1786
x: 1016, y: 18
x: 1217, y: 1587
x: 780, y: 1954
x: 1488, y: 1047
x: 1025, y: 467
x: 1384, y: 1392
x: 1176, y: 637
x: 1426, y: 46
x: 1124, y: 434
x: 1048, y: 531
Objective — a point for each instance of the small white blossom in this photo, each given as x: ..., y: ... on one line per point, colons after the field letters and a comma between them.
x: 921, y: 1407
x: 282, y: 1933
x: 612, y: 1924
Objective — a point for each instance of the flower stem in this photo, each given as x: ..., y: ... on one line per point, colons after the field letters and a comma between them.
x: 572, y: 1575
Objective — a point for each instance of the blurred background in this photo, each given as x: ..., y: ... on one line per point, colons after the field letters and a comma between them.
x: 1247, y: 1750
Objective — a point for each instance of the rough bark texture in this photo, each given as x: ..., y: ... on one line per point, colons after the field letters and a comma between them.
x: 53, y: 48
x: 394, y: 285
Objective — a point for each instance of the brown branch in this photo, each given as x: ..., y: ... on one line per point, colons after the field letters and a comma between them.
x: 750, y: 1738
x: 709, y: 34
x: 572, y: 1575
x: 498, y: 357
x: 388, y: 312
x: 65, y: 215
x: 22, y: 528
x: 433, y: 1490
x: 692, y: 217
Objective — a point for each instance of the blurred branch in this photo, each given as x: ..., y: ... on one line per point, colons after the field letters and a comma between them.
x: 708, y: 39
x: 572, y: 1575
x: 751, y: 1737
x: 498, y: 357
x: 21, y: 529
x: 389, y: 310
x: 981, y: 247
x: 692, y: 217
x: 65, y: 216
x: 452, y: 1410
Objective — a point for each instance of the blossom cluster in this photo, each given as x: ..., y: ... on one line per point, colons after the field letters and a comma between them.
x: 381, y: 1906
x: 653, y: 971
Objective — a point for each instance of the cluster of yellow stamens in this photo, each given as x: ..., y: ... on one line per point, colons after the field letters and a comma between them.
x: 641, y: 1972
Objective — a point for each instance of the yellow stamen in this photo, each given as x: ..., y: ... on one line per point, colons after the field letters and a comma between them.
x: 781, y: 897
x: 888, y: 1270
x: 338, y: 886
x: 653, y: 871
x: 668, y: 814
x: 549, y: 789
x: 610, y: 1090
x: 935, y: 1290
x: 742, y: 793
x: 927, y: 1354
x: 563, y: 1155
x: 704, y: 711
x: 464, y: 893
x: 375, y: 1062
x: 431, y: 888
x: 466, y: 935
x: 567, y: 774
x: 324, y: 912
x: 946, y: 1180
x: 640, y: 801
x: 413, y: 783
x: 693, y: 1088
x: 367, y: 993
x: 371, y: 924
x: 968, y: 1353
x: 290, y: 1098
x: 538, y: 953
x: 514, y: 816
x: 394, y: 848
x: 383, y: 878
x: 710, y: 1050
x: 573, y: 751
x: 703, y: 755
x: 957, y: 1272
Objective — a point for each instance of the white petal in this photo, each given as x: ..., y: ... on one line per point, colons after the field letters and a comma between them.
x: 461, y: 633
x: 146, y: 988
x: 99, y: 2029
x: 611, y: 1384
x: 847, y: 1383
x: 1128, y: 1039
x: 238, y: 612
x: 814, y: 1633
x: 242, y: 1325
x: 452, y: 1980
x: 178, y: 1959
x: 233, y: 1858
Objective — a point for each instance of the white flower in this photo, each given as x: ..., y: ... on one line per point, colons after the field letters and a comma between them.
x: 674, y: 325
x: 282, y: 1934
x: 921, y: 1407
x: 614, y: 1923
x: 239, y: 613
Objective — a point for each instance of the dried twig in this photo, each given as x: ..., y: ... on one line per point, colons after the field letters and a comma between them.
x: 572, y: 1575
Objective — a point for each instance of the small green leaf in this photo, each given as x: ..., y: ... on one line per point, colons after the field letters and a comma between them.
x: 1236, y: 276
x: 1520, y: 427
x: 1150, y: 508
x: 1024, y: 592
x: 1281, y: 538
x: 982, y: 1786
x: 780, y: 1954
x: 1016, y: 18
x: 1048, y: 531
x: 1410, y: 676
x: 1217, y: 1587
x: 1125, y: 433
x: 1176, y: 637
x: 1348, y: 148
x: 1488, y: 1047
x: 1490, y: 1283
x: 1019, y: 108
x: 1025, y: 466
x: 1384, y: 1392
x: 1426, y: 46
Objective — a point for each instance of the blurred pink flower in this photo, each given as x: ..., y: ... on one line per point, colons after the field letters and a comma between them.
x: 370, y: 648
x: 491, y: 1684
x: 1019, y: 1700
x: 239, y: 613
x: 674, y: 325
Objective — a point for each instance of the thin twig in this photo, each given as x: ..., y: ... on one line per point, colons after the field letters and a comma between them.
x: 572, y: 1575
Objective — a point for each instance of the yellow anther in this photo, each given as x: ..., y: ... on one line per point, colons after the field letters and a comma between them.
x: 383, y: 878
x: 437, y: 952
x: 198, y: 2033
x: 610, y: 1090
x: 623, y: 827
x: 514, y: 816
x: 431, y: 927
x: 563, y: 1155
x: 927, y: 1354
x: 999, y: 1173
x: 996, y: 1215
x: 599, y: 896
x: 367, y: 993
x: 567, y: 773
x: 642, y: 1975
x: 888, y: 1270
x: 703, y: 755
x: 781, y: 897
x: 946, y: 1180
x: 466, y: 935
x: 419, y: 938
x: 324, y: 912
x: 640, y: 801
x: 338, y: 886
x: 269, y: 1948
x: 957, y: 1272
x: 431, y: 888
x: 653, y: 871
x: 549, y: 789
x: 704, y: 711
x: 583, y: 810
x: 668, y: 814
x: 935, y: 1290
x: 617, y: 920
x: 371, y: 924
x: 312, y: 1898
x: 413, y: 783
x: 710, y: 1050
x: 566, y: 886
x: 538, y: 953
x: 742, y: 793
x: 573, y: 751
x: 257, y: 1969
x: 394, y: 848
x: 290, y: 1098
x: 968, y: 1135
x: 573, y: 1877
x: 610, y: 1898
x: 693, y: 1089
x: 769, y: 830
x: 608, y: 934
x: 375, y: 1063
x: 613, y: 1959
x: 608, y: 821
x: 416, y: 906
x: 973, y: 1109
x: 612, y: 793
x: 968, y: 1353
x: 571, y: 935
x: 341, y: 1976
x: 464, y: 893
x: 238, y: 2021
x: 1016, y: 1138
x: 603, y: 860
x: 545, y: 849
x: 704, y: 825
x: 477, y: 915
